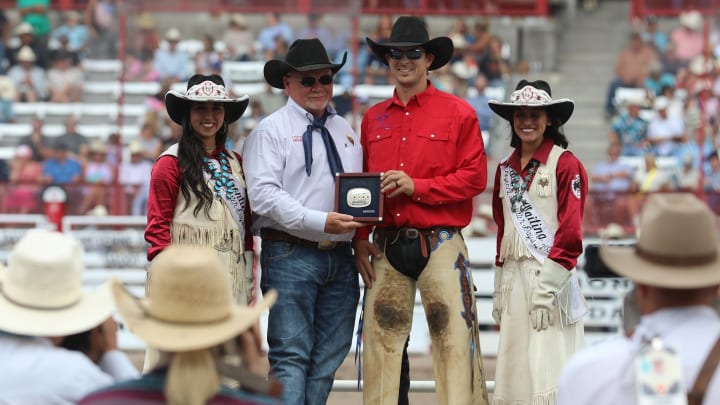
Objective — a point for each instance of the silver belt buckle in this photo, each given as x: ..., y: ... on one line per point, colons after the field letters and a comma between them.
x: 326, y: 245
x: 412, y: 233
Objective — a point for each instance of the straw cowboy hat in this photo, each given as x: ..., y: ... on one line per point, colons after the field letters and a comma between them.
x: 23, y: 28
x: 635, y: 99
x: 146, y: 21
x: 26, y: 54
x: 691, y: 20
x: 190, y: 304
x: 303, y: 55
x: 173, y: 35
x: 41, y: 290
x: 533, y: 94
x: 411, y: 31
x: 203, y: 89
x: 677, y: 246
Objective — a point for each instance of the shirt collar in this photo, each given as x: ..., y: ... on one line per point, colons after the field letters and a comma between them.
x: 420, y: 98
x: 541, y: 155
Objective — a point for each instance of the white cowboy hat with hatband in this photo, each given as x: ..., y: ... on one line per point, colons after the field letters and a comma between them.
x: 41, y: 290
x: 533, y: 94
x: 190, y: 304
x: 203, y: 89
x: 677, y: 246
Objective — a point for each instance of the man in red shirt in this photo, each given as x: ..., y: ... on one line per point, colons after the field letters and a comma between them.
x: 429, y: 146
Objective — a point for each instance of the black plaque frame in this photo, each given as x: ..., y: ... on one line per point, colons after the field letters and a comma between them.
x: 344, y: 182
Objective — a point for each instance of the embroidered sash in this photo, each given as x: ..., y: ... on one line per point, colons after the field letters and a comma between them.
x: 533, y: 231
x: 539, y: 239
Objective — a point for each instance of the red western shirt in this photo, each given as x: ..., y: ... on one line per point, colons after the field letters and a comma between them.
x: 568, y: 237
x: 162, y: 199
x: 436, y: 140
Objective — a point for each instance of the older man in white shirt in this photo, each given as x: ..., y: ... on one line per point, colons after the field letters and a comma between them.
x: 290, y: 161
x: 43, y: 307
x: 676, y: 270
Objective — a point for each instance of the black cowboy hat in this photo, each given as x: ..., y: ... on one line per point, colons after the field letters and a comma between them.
x: 302, y: 56
x: 411, y: 31
x: 201, y: 89
x: 533, y: 94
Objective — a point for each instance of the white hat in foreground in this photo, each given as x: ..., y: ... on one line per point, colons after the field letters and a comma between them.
x: 677, y: 246
x: 41, y: 290
x: 189, y: 305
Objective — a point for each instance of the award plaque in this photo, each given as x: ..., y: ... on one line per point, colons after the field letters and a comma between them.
x: 358, y: 194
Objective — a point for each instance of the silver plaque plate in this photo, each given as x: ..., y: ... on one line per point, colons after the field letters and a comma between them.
x: 358, y: 197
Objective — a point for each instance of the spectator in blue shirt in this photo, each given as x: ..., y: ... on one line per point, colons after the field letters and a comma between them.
x: 59, y: 168
x: 653, y: 36
x: 658, y: 79
x: 629, y: 130
x: 171, y: 62
x: 273, y: 28
x: 76, y: 33
x: 479, y: 103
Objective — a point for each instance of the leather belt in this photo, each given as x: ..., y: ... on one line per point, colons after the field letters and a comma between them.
x: 414, y: 233
x: 280, y: 236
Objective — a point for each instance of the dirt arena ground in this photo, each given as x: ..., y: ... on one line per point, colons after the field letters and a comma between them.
x: 420, y: 369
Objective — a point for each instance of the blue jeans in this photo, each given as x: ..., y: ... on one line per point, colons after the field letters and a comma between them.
x: 310, y: 327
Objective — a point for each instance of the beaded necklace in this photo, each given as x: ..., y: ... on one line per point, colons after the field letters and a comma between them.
x: 520, y: 185
x: 223, y: 183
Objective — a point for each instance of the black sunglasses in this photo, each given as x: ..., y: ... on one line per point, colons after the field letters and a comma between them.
x: 309, y: 81
x: 412, y: 54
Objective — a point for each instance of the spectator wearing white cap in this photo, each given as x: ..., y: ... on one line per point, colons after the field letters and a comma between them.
x: 29, y: 79
x: 688, y: 38
x: 26, y: 37
x: 171, y: 62
x: 134, y: 175
x: 665, y: 132
x: 24, y: 172
x: 239, y: 40
x: 44, y: 307
x: 37, y: 14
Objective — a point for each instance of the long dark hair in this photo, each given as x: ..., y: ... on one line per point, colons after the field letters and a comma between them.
x: 190, y: 159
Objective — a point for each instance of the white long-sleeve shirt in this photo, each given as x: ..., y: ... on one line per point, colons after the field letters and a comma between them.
x: 35, y: 372
x: 281, y: 194
x: 604, y: 374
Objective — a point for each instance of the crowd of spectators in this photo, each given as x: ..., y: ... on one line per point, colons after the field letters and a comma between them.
x: 664, y: 131
x: 677, y: 70
x: 41, y: 62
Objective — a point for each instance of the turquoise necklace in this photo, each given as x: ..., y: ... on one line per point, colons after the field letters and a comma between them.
x: 224, y: 184
x: 520, y: 185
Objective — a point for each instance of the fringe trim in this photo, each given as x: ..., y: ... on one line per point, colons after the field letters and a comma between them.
x: 229, y: 246
x: 545, y: 399
x: 218, y: 237
x: 513, y: 248
x: 506, y: 286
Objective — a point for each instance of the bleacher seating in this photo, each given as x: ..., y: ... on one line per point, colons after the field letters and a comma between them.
x: 244, y: 72
x: 57, y: 112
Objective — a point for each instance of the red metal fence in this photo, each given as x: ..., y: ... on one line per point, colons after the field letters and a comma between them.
x: 418, y: 7
x: 671, y: 8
